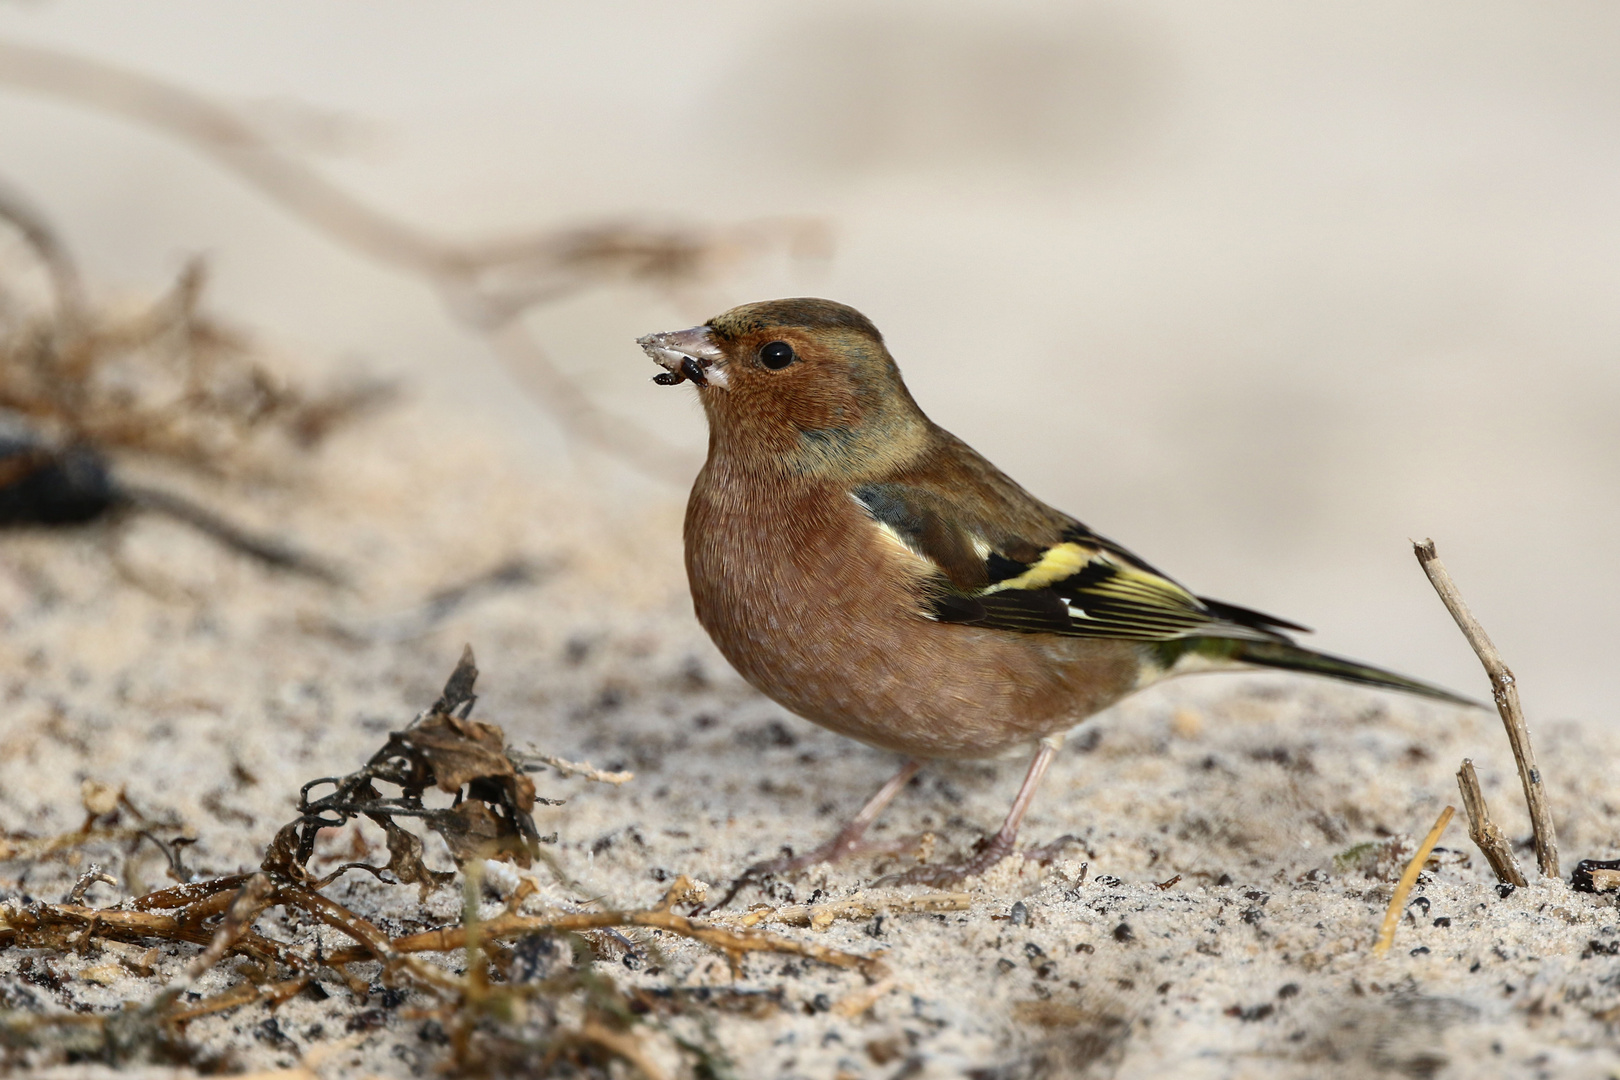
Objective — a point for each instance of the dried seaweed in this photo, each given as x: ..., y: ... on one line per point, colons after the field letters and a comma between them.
x: 164, y: 381
x: 84, y: 388
x: 491, y: 817
x: 1596, y: 875
x: 501, y: 1013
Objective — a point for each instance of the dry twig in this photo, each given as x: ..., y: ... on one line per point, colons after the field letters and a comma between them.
x: 33, y: 850
x: 52, y: 253
x: 1505, y: 691
x: 238, y: 996
x: 1483, y: 830
x: 733, y: 943
x: 252, y: 898
x: 1397, y: 903
x: 525, y: 758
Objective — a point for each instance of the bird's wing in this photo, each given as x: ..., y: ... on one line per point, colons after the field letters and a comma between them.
x: 1044, y: 573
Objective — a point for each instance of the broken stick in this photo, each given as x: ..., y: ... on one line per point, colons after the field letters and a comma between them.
x: 1483, y: 830
x: 1505, y: 691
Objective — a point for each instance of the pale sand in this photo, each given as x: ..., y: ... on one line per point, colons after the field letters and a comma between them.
x: 209, y: 662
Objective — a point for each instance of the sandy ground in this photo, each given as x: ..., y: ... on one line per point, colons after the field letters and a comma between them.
x: 1207, y: 923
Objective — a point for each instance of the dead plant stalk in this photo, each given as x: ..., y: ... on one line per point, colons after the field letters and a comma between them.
x: 1483, y: 831
x: 1397, y: 903
x: 1505, y: 691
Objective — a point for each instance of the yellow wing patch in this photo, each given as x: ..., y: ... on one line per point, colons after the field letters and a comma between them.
x: 1056, y: 563
x: 1129, y: 583
x: 1132, y: 596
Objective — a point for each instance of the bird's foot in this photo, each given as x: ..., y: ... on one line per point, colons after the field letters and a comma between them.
x: 845, y: 845
x: 991, y: 850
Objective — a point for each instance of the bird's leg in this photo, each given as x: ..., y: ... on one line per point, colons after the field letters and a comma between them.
x: 846, y: 843
x: 997, y: 847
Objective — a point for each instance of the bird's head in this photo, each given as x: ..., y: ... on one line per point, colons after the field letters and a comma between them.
x: 805, y: 383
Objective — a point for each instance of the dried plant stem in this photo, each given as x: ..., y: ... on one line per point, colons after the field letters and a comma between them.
x: 375, y: 943
x: 237, y: 996
x: 734, y: 943
x: 1483, y: 830
x: 266, y: 549
x: 64, y: 274
x: 581, y: 419
x: 180, y: 896
x: 45, y: 922
x: 570, y: 768
x: 94, y: 875
x: 252, y: 898
x: 1505, y: 691
x: 1397, y: 903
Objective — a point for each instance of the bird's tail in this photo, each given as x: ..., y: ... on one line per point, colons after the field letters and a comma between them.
x: 1284, y: 656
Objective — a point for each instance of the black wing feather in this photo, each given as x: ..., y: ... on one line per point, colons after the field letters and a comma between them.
x: 1080, y: 586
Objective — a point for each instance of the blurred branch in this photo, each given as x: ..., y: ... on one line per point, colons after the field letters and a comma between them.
x: 486, y: 287
x: 52, y: 253
x: 266, y: 549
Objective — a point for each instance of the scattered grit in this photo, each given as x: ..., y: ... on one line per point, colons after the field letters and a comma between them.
x: 1237, y: 838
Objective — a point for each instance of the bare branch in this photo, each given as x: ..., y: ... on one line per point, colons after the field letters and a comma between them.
x: 266, y: 549
x: 52, y: 252
x: 517, y: 348
x: 94, y: 875
x: 734, y: 943
x: 1505, y: 691
x: 526, y: 758
x: 1484, y: 831
x: 252, y: 898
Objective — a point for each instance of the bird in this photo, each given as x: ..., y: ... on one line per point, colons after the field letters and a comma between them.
x: 874, y: 574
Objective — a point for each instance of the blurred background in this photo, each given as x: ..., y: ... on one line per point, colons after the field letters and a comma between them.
x: 1260, y: 289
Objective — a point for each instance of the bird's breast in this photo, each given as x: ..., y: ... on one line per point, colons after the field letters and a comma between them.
x: 823, y: 612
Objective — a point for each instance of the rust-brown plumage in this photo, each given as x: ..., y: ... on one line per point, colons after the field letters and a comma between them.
x: 871, y: 572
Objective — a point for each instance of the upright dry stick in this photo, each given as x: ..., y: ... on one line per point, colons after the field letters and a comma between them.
x: 1505, y: 690
x: 1483, y: 830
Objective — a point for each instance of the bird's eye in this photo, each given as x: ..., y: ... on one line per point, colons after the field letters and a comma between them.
x: 777, y: 355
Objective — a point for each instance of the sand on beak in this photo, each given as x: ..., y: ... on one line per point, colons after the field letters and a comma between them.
x: 686, y: 354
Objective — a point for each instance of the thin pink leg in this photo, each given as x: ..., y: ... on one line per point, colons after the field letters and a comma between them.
x: 846, y: 843
x: 1000, y: 845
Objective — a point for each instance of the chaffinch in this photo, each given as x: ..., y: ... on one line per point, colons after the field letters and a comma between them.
x: 871, y: 572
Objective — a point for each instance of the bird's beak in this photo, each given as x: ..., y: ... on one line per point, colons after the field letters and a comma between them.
x: 687, y: 354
